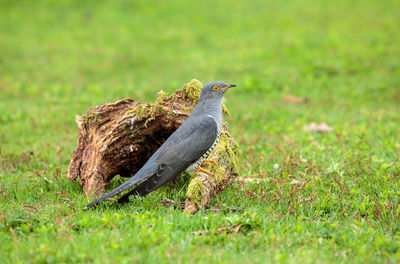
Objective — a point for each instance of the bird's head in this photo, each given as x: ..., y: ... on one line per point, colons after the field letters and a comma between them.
x: 215, y: 90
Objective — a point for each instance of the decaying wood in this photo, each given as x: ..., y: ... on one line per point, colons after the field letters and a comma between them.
x: 118, y: 138
x: 205, y: 185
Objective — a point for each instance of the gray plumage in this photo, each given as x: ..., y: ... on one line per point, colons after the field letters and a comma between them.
x: 185, y: 149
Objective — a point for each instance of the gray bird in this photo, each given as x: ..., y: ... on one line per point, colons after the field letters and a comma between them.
x: 185, y: 149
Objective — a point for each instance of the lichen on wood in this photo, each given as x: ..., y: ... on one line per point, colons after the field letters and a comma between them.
x: 118, y: 138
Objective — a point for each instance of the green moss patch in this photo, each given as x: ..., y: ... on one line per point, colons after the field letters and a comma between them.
x: 91, y: 115
x: 192, y: 90
x: 195, y: 191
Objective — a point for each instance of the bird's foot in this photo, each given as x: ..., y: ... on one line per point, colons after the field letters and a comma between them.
x: 212, y: 161
x: 204, y: 170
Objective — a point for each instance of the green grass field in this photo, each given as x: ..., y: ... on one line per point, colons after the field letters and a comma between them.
x: 335, y: 196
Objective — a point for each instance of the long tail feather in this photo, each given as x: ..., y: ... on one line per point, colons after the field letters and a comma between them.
x: 136, y: 179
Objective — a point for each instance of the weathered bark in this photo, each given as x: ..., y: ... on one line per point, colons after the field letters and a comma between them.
x: 118, y: 138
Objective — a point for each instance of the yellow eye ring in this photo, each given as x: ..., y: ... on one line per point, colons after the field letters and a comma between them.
x: 215, y: 88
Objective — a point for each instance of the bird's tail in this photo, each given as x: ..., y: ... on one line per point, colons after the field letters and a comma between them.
x: 136, y: 179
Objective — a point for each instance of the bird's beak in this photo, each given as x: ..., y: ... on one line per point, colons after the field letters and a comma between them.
x: 230, y: 85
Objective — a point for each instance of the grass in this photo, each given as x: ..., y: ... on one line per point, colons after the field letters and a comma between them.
x: 333, y: 197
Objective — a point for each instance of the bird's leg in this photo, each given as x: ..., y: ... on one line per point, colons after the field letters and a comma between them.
x: 212, y: 161
x: 204, y: 170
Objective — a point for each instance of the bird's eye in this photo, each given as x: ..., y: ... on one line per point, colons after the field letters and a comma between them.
x: 215, y: 88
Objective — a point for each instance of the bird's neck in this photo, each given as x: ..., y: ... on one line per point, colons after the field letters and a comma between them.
x: 212, y: 107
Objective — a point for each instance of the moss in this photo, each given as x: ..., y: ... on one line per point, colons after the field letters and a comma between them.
x: 225, y: 110
x: 195, y: 191
x: 148, y: 110
x: 233, y: 154
x: 229, y: 151
x: 218, y: 171
x: 172, y: 114
x: 91, y: 115
x: 192, y: 90
x: 140, y: 112
x: 219, y: 174
x: 122, y: 127
x: 187, y: 110
x: 161, y: 96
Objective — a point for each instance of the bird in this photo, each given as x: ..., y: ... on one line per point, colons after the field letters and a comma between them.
x: 186, y: 149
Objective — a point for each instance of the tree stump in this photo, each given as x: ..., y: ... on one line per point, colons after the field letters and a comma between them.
x: 118, y: 138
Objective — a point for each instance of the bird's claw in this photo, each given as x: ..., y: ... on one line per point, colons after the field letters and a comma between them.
x: 212, y: 161
x: 204, y: 170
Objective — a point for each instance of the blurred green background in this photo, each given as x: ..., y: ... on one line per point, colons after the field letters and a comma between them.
x: 58, y: 58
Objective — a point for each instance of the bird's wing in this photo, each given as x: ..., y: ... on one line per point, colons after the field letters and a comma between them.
x: 188, y: 144
x: 185, y: 146
x: 182, y: 149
